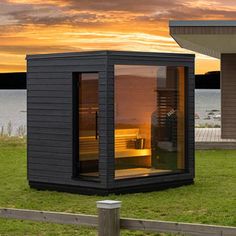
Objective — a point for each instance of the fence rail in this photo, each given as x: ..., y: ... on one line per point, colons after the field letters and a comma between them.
x: 109, y: 223
x: 48, y: 216
x: 178, y: 228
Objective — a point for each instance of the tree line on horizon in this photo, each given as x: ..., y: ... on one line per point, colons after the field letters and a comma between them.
x: 209, y: 80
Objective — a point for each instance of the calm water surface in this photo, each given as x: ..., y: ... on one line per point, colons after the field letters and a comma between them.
x: 207, y: 107
x: 13, y: 107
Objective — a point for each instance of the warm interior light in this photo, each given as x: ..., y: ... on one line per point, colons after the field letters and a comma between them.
x: 149, y: 120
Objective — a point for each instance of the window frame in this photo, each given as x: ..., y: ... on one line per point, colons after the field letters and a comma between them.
x: 186, y: 120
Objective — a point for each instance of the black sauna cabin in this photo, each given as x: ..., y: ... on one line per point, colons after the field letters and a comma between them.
x: 110, y: 121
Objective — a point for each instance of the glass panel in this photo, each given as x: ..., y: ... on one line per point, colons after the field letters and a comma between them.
x: 88, y: 126
x: 149, y: 120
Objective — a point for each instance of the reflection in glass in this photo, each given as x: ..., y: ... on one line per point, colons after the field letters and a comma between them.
x: 149, y: 120
x: 88, y: 129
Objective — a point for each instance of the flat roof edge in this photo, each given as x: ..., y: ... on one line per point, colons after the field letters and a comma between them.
x: 106, y: 53
x: 202, y: 23
x: 65, y: 54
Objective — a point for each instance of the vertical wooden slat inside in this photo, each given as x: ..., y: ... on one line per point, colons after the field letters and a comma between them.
x: 181, y: 118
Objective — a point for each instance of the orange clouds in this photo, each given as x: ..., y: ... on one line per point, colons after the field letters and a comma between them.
x: 30, y: 26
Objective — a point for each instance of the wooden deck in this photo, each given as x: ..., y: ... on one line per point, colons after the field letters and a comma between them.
x: 210, y: 138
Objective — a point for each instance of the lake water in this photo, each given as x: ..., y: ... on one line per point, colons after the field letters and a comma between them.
x: 13, y: 108
x: 207, y: 107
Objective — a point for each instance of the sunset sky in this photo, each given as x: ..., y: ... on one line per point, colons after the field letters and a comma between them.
x: 36, y: 26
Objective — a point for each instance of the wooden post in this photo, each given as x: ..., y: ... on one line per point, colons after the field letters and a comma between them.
x: 108, y: 218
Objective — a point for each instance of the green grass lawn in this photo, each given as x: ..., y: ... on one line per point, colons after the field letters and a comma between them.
x: 211, y: 200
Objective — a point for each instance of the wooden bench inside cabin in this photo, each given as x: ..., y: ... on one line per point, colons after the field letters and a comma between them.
x: 124, y: 143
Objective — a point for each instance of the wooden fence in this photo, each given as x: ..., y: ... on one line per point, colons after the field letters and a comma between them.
x: 109, y: 222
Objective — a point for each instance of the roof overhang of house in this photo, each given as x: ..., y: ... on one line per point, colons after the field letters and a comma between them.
x: 211, y: 38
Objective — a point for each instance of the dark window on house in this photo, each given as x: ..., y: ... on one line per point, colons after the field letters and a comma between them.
x: 149, y: 120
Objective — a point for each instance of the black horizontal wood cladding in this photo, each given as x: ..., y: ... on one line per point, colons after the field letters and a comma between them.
x: 49, y: 130
x: 60, y: 174
x: 48, y: 106
x: 47, y: 161
x: 52, y: 69
x: 47, y: 81
x: 49, y: 94
x: 50, y: 143
x: 50, y: 119
x: 42, y: 154
x: 51, y: 112
x: 69, y: 62
x: 50, y: 100
x: 51, y: 136
x: 47, y: 167
x: 34, y: 76
x: 56, y: 136
x: 84, y: 184
x: 47, y: 147
x: 51, y: 124
x: 49, y: 87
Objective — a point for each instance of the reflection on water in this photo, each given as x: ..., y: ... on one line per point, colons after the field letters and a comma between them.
x: 207, y: 107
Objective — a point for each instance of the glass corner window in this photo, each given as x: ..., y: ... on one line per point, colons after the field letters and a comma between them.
x: 149, y: 120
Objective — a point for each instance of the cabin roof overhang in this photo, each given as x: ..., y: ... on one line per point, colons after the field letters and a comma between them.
x: 211, y: 38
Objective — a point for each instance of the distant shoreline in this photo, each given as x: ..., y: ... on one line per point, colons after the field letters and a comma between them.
x: 17, y: 81
x: 210, y: 80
